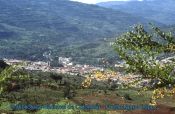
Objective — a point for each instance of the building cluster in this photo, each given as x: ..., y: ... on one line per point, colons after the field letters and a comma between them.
x: 13, y: 61
x: 65, y: 61
x: 39, y: 66
x: 68, y: 68
x: 77, y: 69
x: 122, y: 78
x: 29, y: 65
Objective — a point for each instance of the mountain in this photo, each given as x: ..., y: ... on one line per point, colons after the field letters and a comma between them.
x: 29, y: 28
x: 158, y: 10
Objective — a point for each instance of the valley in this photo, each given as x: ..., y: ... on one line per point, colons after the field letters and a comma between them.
x: 87, y: 57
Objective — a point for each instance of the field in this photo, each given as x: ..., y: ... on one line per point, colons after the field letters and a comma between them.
x: 46, y: 96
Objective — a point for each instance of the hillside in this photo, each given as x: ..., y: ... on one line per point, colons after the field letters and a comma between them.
x: 158, y: 10
x: 28, y: 28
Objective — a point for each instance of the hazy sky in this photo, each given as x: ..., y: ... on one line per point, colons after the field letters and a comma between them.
x: 96, y: 1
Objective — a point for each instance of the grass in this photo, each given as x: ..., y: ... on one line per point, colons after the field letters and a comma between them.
x: 101, y: 98
x: 137, y: 99
x: 45, y: 95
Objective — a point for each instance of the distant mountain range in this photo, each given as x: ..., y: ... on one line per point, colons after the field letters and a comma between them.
x: 28, y: 28
x: 162, y: 11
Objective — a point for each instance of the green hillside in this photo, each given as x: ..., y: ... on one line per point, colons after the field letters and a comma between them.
x: 158, y: 10
x: 28, y: 28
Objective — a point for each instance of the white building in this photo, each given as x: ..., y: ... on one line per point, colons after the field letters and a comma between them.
x: 65, y: 61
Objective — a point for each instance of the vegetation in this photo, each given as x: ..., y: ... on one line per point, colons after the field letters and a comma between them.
x: 43, y: 88
x: 12, y: 80
x: 81, y: 31
x: 66, y: 28
x: 147, y: 9
x: 3, y: 65
x: 141, y: 52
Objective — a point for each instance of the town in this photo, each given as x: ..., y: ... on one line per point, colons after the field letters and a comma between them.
x: 68, y: 67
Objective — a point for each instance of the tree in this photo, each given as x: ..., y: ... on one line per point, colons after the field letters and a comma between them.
x: 142, y: 52
x: 3, y: 65
x: 9, y: 81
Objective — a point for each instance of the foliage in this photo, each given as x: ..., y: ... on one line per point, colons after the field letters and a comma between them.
x: 99, y: 76
x: 9, y: 81
x: 3, y: 65
x: 141, y: 50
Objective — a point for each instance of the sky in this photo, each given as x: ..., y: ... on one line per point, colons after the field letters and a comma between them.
x: 96, y: 1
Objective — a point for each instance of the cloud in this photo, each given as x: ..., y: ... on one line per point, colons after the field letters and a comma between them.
x: 96, y: 1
